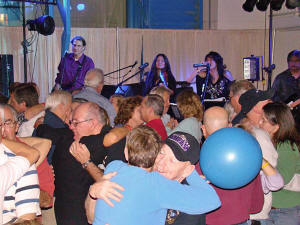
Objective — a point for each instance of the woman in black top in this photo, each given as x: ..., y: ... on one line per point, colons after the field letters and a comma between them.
x: 128, y: 117
x: 218, y: 81
x: 160, y: 73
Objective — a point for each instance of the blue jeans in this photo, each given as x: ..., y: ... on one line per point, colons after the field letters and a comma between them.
x: 288, y: 216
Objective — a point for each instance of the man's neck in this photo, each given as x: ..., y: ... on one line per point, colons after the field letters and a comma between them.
x: 95, y: 89
x: 77, y: 57
x: 132, y: 123
x: 97, y: 129
x: 153, y: 117
x: 58, y: 113
x: 296, y: 74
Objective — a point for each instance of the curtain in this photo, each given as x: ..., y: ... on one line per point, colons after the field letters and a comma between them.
x: 113, y: 48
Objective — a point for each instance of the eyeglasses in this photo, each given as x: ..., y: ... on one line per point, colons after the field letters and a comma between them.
x: 75, y: 123
x: 9, y: 123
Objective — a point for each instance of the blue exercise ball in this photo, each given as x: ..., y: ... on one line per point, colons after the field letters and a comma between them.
x: 230, y: 158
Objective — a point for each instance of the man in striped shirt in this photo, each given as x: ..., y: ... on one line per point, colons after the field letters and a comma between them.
x: 21, y: 201
x: 13, y: 168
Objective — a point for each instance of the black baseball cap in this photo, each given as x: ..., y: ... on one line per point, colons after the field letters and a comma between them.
x: 249, y: 99
x: 184, y: 146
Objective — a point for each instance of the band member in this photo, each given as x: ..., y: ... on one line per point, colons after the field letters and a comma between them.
x: 160, y: 74
x: 219, y: 78
x: 74, y: 66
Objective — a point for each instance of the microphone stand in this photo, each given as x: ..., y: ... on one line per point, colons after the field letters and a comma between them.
x: 205, y: 85
x: 271, y: 66
x: 122, y: 82
x: 118, y: 70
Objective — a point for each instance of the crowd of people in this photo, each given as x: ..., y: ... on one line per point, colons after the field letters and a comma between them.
x: 80, y: 158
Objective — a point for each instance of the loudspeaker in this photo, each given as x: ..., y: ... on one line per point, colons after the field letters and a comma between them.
x: 6, y: 73
x: 251, y: 68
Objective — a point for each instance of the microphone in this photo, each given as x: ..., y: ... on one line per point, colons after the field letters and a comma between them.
x: 161, y: 75
x: 201, y: 65
x: 143, y: 66
x: 133, y: 65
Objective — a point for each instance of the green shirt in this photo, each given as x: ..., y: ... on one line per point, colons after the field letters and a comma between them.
x: 287, y: 165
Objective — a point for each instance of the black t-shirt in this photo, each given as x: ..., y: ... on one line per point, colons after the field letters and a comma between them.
x: 116, y: 152
x: 72, y: 182
x: 175, y: 217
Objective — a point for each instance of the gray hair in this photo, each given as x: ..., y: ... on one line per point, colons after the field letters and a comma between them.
x: 2, y: 112
x: 156, y: 102
x: 97, y: 113
x: 230, y: 110
x: 14, y: 113
x: 160, y: 90
x: 93, y: 78
x: 239, y: 87
x: 56, y: 98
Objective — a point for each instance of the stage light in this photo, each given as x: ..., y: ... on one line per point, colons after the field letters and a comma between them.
x: 276, y: 4
x: 292, y: 4
x: 262, y: 5
x: 44, y: 25
x: 249, y: 5
x: 80, y: 7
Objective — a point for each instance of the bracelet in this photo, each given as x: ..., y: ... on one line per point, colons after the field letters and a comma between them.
x: 92, y: 197
x: 265, y: 164
x: 84, y: 165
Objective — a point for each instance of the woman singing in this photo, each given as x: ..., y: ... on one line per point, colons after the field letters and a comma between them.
x: 219, y: 78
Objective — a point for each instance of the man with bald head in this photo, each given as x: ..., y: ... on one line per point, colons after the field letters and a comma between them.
x: 237, y: 204
x: 214, y: 119
x: 93, y: 84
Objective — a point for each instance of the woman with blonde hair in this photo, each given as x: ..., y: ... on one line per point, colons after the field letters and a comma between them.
x: 189, y: 105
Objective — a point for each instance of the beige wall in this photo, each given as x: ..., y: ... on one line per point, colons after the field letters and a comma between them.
x: 229, y: 14
x: 232, y: 16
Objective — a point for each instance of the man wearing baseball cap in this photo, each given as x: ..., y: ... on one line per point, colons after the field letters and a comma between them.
x: 252, y: 102
x: 174, y: 162
x: 147, y: 194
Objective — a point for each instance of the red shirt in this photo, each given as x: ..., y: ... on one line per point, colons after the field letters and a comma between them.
x: 236, y: 204
x: 159, y: 127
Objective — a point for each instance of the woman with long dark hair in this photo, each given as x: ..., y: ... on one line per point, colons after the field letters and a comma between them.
x: 160, y: 73
x: 218, y: 81
x: 279, y: 123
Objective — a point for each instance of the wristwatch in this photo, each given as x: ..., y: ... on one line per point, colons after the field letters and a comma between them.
x: 84, y: 165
